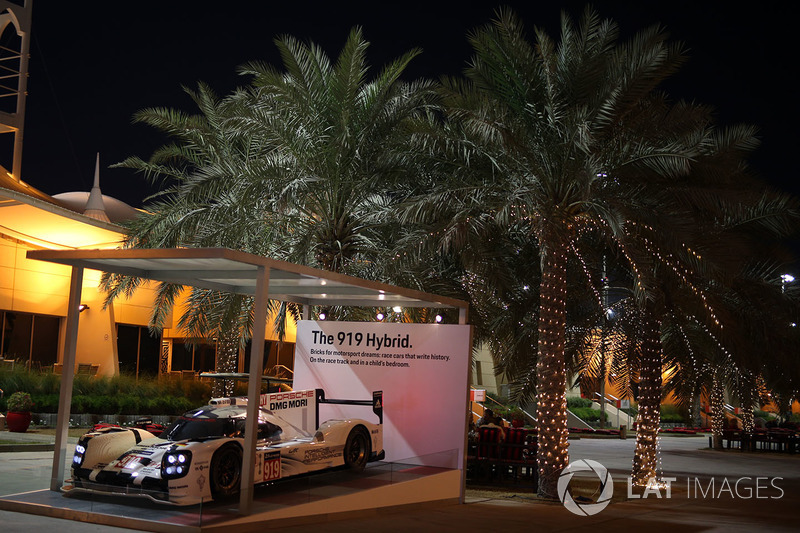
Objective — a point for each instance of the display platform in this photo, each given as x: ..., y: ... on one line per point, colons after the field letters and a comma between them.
x: 316, y: 497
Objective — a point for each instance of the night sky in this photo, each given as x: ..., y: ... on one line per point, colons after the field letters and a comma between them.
x: 93, y: 64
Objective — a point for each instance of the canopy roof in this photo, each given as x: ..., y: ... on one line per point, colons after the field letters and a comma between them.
x: 225, y: 270
x: 233, y: 271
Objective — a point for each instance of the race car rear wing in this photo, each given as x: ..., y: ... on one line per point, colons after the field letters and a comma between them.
x: 376, y: 402
x: 296, y: 406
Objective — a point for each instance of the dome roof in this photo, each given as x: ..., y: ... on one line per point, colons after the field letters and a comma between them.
x: 97, y: 205
x: 117, y: 210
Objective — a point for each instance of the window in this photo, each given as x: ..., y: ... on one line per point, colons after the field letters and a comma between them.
x: 30, y: 339
x: 192, y: 356
x: 137, y: 350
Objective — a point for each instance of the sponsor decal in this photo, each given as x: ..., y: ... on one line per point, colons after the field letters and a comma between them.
x: 201, y: 481
x: 125, y: 462
x: 144, y: 451
x: 286, y: 400
x: 315, y: 455
x: 268, y: 466
x: 274, y: 406
x: 150, y: 471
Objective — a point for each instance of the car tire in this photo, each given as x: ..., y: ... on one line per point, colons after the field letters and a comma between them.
x: 226, y: 471
x: 357, y: 449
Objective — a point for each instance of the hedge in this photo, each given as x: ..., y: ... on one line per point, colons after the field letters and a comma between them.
x: 122, y: 394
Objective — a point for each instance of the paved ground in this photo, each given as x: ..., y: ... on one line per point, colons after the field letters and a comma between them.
x: 751, y: 491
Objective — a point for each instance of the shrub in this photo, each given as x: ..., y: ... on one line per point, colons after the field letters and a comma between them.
x: 129, y: 404
x: 587, y: 414
x: 122, y: 394
x: 46, y: 403
x: 574, y: 403
x: 672, y: 414
x: 20, y: 402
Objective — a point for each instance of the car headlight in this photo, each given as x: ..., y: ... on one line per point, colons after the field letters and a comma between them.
x: 175, y: 464
x: 80, y: 453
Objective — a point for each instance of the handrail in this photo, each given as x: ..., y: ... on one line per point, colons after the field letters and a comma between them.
x: 489, y: 398
x: 606, y: 399
x: 526, y: 413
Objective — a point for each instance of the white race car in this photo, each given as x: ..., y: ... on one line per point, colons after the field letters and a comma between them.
x: 199, y: 457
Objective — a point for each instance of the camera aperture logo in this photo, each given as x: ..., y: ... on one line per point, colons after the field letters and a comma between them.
x: 606, y: 487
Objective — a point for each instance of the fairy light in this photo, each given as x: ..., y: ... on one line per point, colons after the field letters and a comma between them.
x: 678, y: 269
x: 717, y: 407
x: 587, y: 274
x: 646, y: 462
x: 553, y: 454
x: 227, y: 361
x: 748, y: 418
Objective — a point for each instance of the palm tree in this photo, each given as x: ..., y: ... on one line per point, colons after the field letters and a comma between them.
x: 291, y: 166
x: 334, y: 138
x: 554, y: 140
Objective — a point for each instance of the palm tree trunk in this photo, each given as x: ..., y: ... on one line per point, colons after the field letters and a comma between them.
x: 551, y: 376
x: 648, y: 421
x: 747, y: 401
x: 226, y: 361
x: 697, y: 410
x: 717, y: 409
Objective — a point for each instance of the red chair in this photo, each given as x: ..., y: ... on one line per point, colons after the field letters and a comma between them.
x: 488, y: 442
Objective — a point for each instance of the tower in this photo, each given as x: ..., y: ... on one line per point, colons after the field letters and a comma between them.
x: 14, y: 72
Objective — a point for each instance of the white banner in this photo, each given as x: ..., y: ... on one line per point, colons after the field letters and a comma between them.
x: 422, y: 370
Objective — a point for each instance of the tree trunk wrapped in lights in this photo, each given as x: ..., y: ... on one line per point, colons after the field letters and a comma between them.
x: 648, y: 420
x: 227, y: 361
x: 748, y: 419
x: 748, y: 398
x: 717, y: 409
x: 551, y: 373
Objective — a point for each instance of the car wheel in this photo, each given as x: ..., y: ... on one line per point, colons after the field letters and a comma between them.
x: 357, y: 449
x: 226, y: 471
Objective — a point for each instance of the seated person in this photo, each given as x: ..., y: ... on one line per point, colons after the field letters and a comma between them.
x: 489, y: 419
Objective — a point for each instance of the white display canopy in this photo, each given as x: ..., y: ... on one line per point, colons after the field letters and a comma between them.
x: 236, y: 272
x: 228, y: 271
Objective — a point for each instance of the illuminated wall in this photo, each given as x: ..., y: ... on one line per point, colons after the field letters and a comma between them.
x: 42, y: 289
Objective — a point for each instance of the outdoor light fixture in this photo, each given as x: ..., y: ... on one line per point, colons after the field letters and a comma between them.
x: 379, y: 316
x: 438, y: 319
x: 397, y: 309
x: 322, y: 315
x: 786, y: 278
x: 82, y: 308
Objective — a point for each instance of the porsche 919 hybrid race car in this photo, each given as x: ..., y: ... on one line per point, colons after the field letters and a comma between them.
x: 199, y: 457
